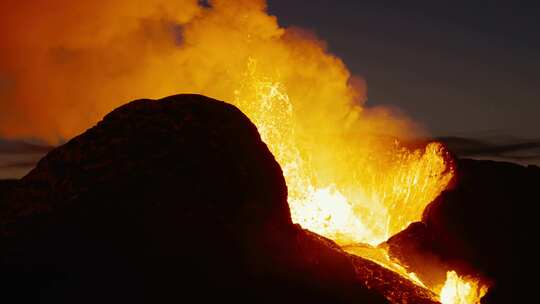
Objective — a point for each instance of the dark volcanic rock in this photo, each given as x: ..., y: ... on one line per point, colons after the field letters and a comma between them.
x: 414, y: 248
x: 5, y: 187
x: 482, y: 226
x: 166, y: 202
x: 395, y: 288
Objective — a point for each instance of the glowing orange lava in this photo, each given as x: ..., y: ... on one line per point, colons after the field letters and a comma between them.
x: 458, y: 290
x: 357, y: 192
x: 362, y: 189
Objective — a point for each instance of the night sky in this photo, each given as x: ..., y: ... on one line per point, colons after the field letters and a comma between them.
x: 461, y: 68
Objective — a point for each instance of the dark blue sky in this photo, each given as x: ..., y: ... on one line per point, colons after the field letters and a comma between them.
x: 467, y: 68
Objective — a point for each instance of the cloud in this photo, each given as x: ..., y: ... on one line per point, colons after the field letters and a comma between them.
x: 64, y: 64
x: 23, y: 147
x: 18, y: 157
x: 512, y: 150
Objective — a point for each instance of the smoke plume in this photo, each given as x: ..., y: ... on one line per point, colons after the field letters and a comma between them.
x: 64, y: 64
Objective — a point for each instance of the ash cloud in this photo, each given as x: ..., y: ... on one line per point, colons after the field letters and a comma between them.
x: 65, y: 64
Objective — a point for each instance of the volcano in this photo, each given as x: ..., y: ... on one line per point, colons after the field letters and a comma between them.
x: 179, y: 199
x: 172, y: 200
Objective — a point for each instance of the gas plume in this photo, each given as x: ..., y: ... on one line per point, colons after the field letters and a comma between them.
x: 64, y: 64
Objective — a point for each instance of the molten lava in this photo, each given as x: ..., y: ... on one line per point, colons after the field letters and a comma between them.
x: 352, y: 190
x: 362, y: 193
x: 357, y: 192
x: 459, y: 290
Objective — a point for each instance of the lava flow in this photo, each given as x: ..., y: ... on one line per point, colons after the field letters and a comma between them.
x: 363, y: 208
x: 350, y: 178
x: 348, y: 190
x: 458, y: 290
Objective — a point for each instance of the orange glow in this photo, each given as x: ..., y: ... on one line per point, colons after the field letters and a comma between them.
x: 349, y: 178
x: 380, y: 256
x: 351, y: 190
x: 68, y: 63
x: 458, y: 290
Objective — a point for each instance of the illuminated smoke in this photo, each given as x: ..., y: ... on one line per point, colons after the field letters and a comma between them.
x: 64, y: 64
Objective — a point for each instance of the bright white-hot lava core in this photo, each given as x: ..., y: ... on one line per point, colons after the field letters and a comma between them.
x: 349, y: 176
x: 458, y: 290
x: 348, y: 187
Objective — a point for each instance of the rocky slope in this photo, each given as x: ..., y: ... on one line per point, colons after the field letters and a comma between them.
x: 483, y: 226
x: 170, y: 200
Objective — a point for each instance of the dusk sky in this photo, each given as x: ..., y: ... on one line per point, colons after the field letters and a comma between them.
x: 465, y: 68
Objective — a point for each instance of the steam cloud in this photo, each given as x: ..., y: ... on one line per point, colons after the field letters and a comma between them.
x: 64, y: 64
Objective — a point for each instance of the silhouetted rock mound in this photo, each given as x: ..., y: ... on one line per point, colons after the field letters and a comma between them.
x: 161, y: 202
x: 481, y: 226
